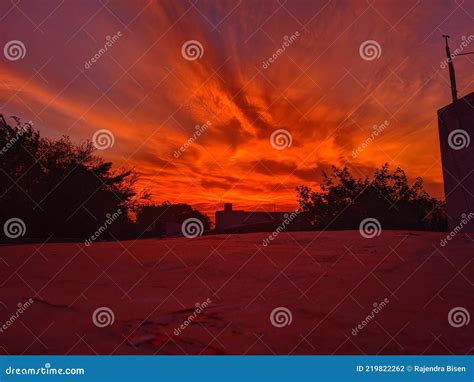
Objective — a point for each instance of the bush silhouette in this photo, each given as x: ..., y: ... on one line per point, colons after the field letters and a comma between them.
x: 154, y: 219
x: 343, y: 202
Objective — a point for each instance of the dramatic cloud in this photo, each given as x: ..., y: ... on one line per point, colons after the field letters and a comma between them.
x: 263, y: 66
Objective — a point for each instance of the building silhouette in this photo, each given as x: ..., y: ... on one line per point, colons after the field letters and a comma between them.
x: 456, y: 127
x: 230, y: 219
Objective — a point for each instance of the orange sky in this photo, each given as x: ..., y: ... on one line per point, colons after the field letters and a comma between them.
x: 320, y: 89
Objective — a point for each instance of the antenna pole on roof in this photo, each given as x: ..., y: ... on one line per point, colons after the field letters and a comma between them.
x: 452, y: 75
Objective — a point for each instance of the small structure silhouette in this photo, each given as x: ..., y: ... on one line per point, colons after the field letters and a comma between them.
x: 230, y: 219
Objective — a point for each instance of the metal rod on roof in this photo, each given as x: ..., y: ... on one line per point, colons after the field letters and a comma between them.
x: 452, y: 75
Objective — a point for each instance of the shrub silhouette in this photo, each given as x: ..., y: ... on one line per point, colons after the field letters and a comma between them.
x: 154, y: 219
x: 343, y: 202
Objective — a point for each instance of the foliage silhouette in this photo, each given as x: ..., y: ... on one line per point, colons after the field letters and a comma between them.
x: 343, y: 202
x: 154, y: 219
x: 58, y: 188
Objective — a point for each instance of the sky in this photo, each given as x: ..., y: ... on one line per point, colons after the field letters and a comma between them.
x: 238, y: 101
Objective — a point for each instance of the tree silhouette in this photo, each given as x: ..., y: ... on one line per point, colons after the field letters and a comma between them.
x: 59, y: 188
x: 343, y: 202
